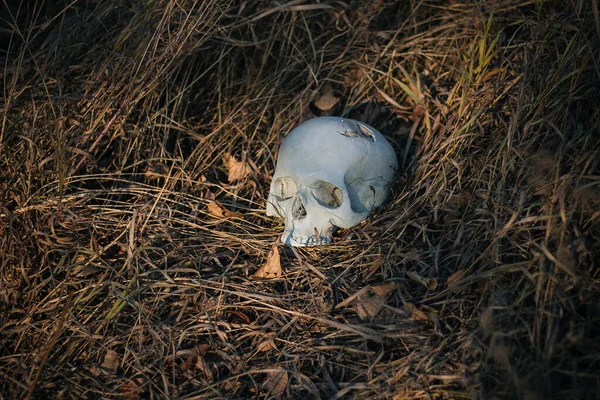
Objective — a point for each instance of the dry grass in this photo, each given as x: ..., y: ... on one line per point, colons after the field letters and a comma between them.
x: 118, y: 119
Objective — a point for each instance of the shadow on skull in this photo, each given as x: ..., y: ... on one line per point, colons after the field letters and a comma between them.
x: 333, y: 172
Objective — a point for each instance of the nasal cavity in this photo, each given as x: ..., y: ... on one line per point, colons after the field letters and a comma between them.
x: 298, y: 210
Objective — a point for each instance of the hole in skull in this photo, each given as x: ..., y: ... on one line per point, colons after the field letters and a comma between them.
x: 298, y: 210
x: 327, y: 194
x: 395, y: 129
x: 285, y: 188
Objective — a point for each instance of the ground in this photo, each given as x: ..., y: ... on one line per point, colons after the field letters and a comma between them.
x: 137, y: 144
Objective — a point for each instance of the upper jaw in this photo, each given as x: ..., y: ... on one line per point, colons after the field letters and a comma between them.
x: 290, y: 239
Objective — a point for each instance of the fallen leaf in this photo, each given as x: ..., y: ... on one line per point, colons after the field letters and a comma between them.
x: 237, y: 316
x: 565, y: 257
x: 323, y: 305
x: 326, y: 100
x: 111, y: 361
x: 403, y: 394
x: 433, y: 318
x: 192, y: 359
x: 429, y: 283
x: 272, y: 268
x: 384, y: 290
x: 156, y: 171
x: 307, y: 384
x: 82, y: 271
x: 265, y: 345
x: 131, y: 390
x: 276, y: 382
x: 370, y: 301
x: 217, y: 210
x: 455, y: 277
x: 414, y: 313
x: 203, y: 348
x: 236, y: 170
x: 81, y: 268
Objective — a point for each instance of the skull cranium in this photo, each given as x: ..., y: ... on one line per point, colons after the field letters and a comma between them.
x: 331, y: 172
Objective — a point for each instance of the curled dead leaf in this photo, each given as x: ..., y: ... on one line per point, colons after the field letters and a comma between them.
x: 414, y: 313
x: 276, y: 382
x: 81, y: 267
x: 236, y: 170
x: 265, y: 345
x: 111, y: 362
x: 132, y: 389
x: 156, y: 171
x: 217, y: 210
x: 565, y: 256
x: 83, y: 271
x: 203, y: 348
x: 369, y: 300
x: 429, y: 283
x: 384, y: 290
x: 272, y: 268
x: 326, y: 100
x: 455, y: 277
x: 372, y: 301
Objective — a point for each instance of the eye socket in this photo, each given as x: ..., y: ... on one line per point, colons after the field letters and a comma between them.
x: 285, y: 188
x: 327, y: 194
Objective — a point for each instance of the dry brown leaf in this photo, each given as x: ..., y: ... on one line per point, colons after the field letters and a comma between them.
x: 81, y: 269
x: 384, y: 290
x: 236, y: 170
x: 237, y: 316
x: 369, y: 302
x: 429, y: 283
x: 203, y: 348
x: 356, y: 73
x: 131, y: 390
x: 217, y: 210
x: 414, y: 313
x: 565, y: 257
x: 403, y: 395
x: 156, y: 171
x: 324, y: 306
x: 272, y: 268
x: 111, y: 361
x: 265, y: 345
x: 276, y: 382
x: 455, y: 277
x: 326, y: 100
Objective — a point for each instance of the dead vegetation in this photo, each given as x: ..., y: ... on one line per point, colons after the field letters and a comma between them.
x: 137, y: 143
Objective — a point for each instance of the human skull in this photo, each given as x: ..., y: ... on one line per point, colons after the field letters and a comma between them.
x: 331, y: 172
